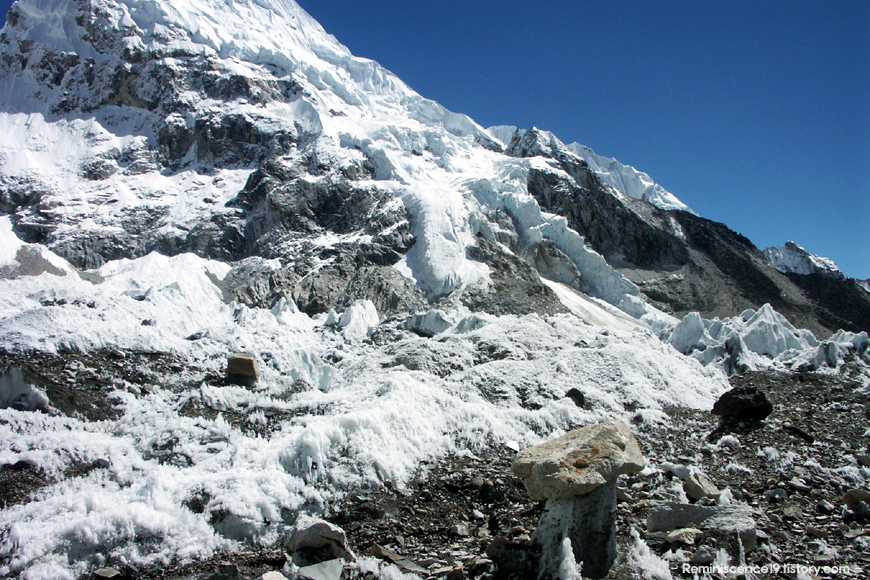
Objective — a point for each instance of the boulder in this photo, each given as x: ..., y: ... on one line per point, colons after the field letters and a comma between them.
x: 745, y: 402
x: 854, y: 497
x: 242, y: 370
x: 577, y: 396
x: 698, y: 487
x: 312, y: 541
x: 579, y: 461
x: 668, y: 516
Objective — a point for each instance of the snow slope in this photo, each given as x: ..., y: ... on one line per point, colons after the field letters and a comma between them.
x: 443, y: 168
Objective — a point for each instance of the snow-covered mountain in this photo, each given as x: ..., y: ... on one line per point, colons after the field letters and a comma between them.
x: 624, y: 179
x: 794, y: 259
x: 183, y: 180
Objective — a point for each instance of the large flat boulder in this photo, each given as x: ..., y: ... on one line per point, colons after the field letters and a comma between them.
x: 667, y: 516
x: 579, y: 461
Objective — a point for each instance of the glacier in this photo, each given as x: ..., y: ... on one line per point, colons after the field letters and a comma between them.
x: 128, y: 139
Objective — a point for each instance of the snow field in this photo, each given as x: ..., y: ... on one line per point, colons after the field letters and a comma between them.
x: 372, y: 417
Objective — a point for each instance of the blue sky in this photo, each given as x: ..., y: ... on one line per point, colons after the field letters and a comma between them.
x: 756, y: 114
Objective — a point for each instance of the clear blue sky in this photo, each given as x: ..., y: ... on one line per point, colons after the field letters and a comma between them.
x: 756, y: 114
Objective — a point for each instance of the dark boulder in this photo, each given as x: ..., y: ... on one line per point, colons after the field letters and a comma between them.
x: 743, y: 403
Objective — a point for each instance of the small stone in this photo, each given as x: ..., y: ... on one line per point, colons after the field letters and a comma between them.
x: 799, y: 485
x: 480, y: 566
x: 399, y: 560
x: 863, y: 460
x: 792, y: 512
x: 798, y: 432
x: 825, y: 507
x: 107, y: 574
x: 513, y: 446
x: 698, y: 486
x: 458, y: 531
x: 815, y: 532
x: 478, y: 515
x: 242, y: 369
x: 328, y: 570
x: 312, y: 541
x: 272, y: 576
x: 685, y: 536
x: 777, y: 495
x: 704, y: 555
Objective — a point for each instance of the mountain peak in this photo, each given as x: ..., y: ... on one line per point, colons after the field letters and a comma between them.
x: 254, y: 30
x: 792, y: 258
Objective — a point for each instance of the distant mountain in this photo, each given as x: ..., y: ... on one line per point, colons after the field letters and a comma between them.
x: 794, y: 259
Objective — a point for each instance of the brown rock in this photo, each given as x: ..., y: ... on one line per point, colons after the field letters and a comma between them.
x: 579, y: 461
x: 242, y: 369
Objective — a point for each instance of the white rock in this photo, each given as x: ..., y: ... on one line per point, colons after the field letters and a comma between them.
x: 313, y: 534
